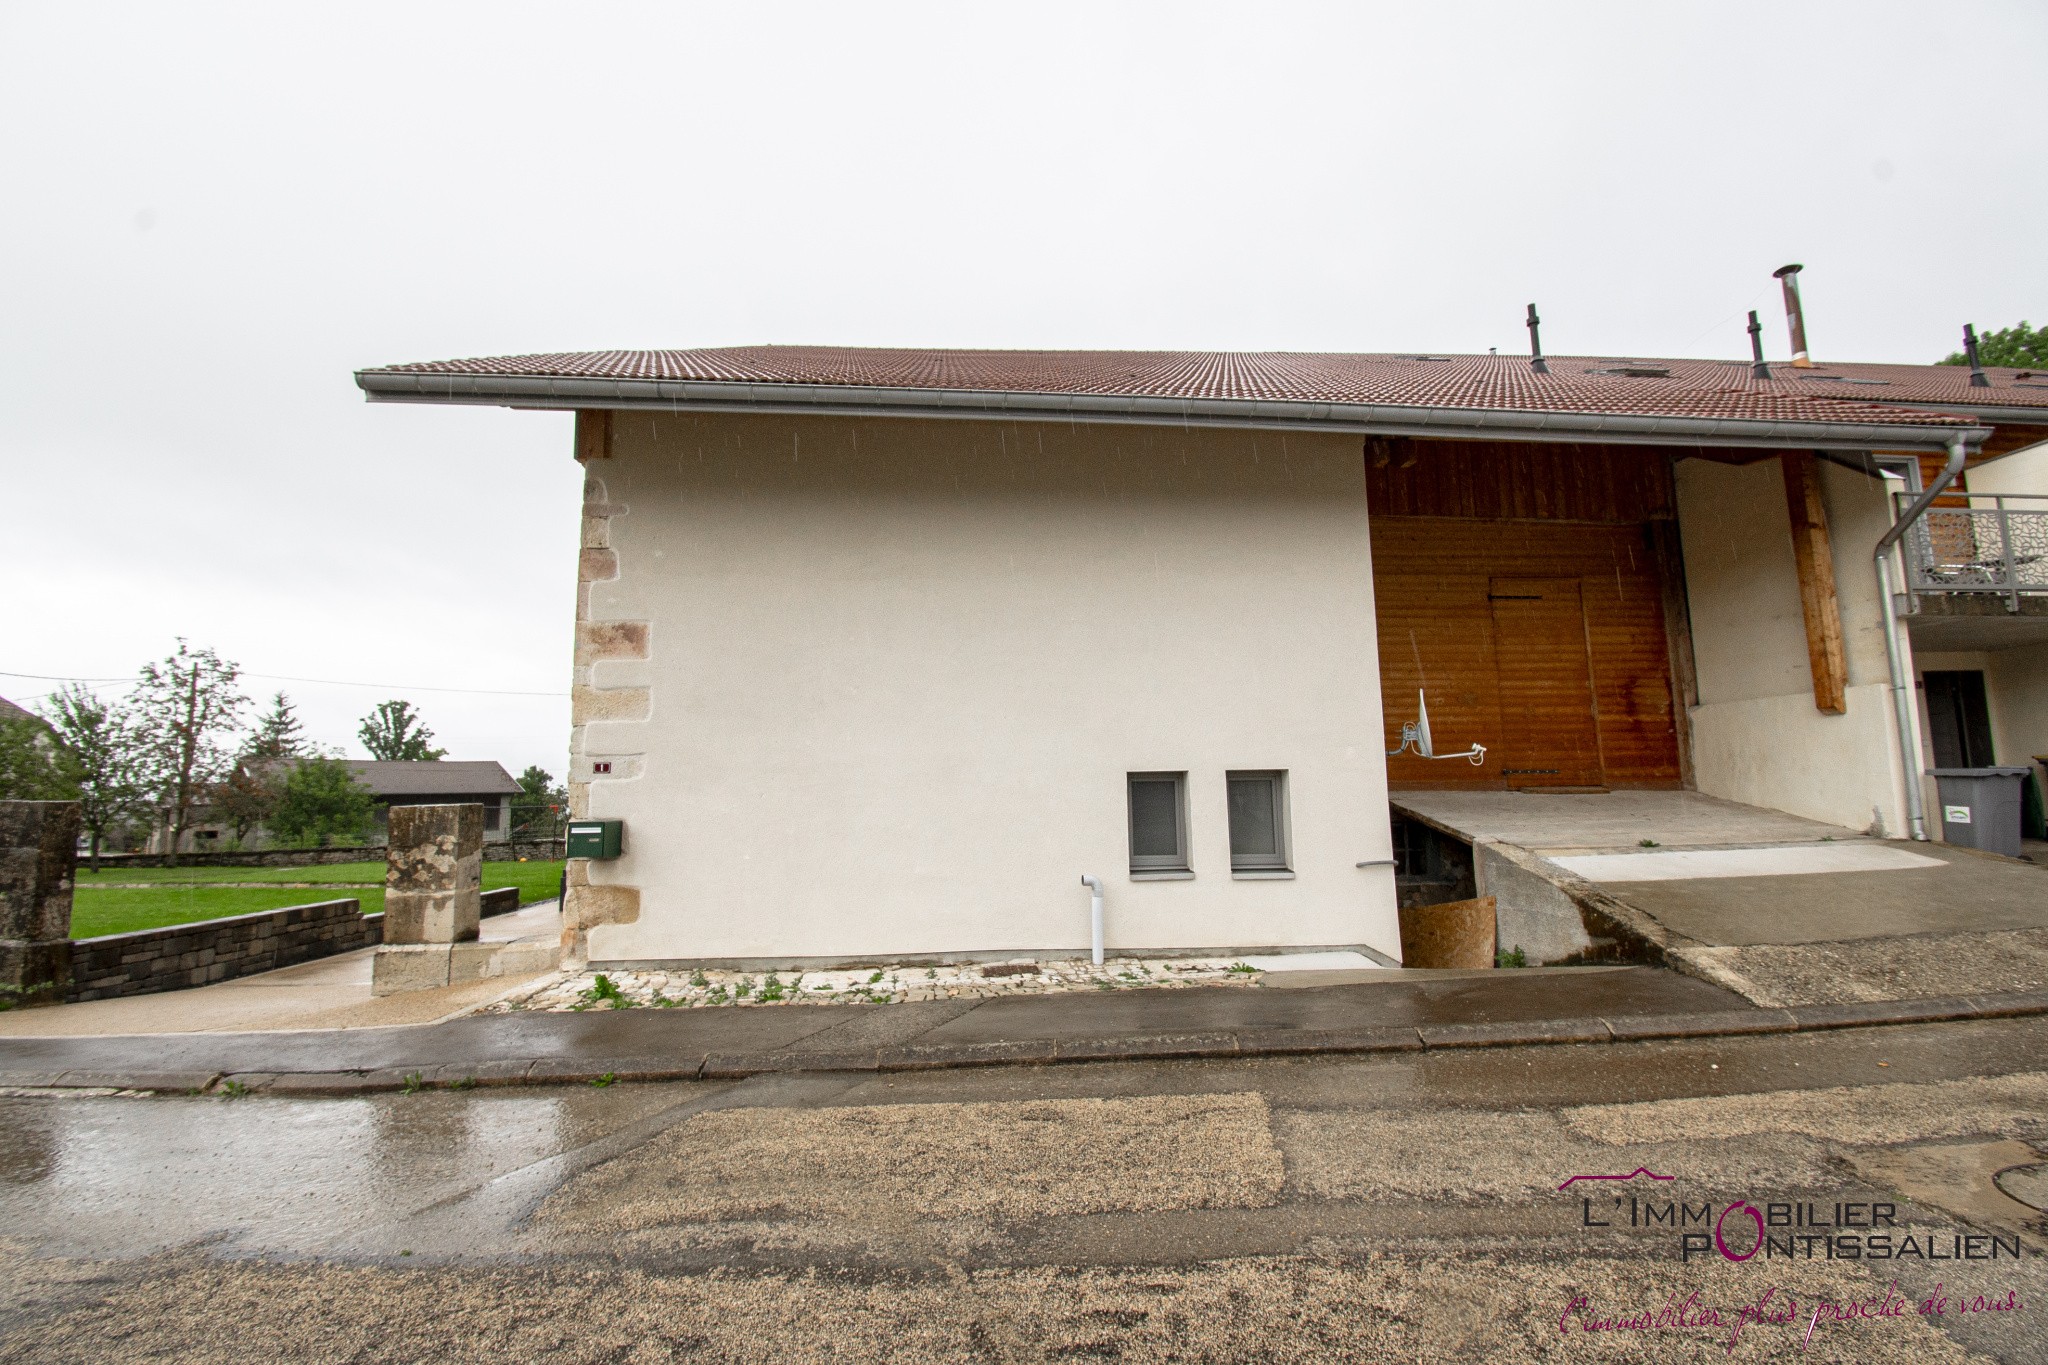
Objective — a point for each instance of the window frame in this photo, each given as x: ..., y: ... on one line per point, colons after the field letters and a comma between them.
x: 1281, y: 862
x: 1158, y: 866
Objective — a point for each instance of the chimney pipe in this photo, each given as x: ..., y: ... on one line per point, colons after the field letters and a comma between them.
x: 1795, y: 317
x: 1757, y: 368
x: 1977, y: 379
x: 1536, y: 343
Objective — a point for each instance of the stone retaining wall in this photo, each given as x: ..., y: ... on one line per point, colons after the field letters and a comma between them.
x: 217, y: 949
x: 207, y: 951
x: 501, y: 851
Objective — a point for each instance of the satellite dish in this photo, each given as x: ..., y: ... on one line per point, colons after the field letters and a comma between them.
x: 1415, y: 737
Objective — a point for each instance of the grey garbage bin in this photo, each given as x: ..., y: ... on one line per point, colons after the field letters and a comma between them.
x: 1980, y: 807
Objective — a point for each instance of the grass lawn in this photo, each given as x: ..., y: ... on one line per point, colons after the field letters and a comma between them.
x: 370, y: 872
x: 100, y: 909
x: 537, y: 881
x: 123, y: 910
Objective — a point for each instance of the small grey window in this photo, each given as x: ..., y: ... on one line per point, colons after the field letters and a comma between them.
x: 1258, y: 821
x: 1159, y: 822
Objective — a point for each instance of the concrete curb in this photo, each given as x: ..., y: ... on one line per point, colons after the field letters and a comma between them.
x: 734, y: 1066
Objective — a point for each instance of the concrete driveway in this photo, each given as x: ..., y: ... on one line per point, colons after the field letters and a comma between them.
x: 328, y: 993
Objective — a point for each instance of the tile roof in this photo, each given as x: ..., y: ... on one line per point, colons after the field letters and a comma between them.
x: 439, y: 777
x: 1935, y: 385
x: 1576, y: 384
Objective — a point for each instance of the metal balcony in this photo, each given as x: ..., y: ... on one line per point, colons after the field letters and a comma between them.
x: 1979, y: 543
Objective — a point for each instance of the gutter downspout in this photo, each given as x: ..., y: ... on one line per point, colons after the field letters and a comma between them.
x: 1094, y: 885
x: 1902, y: 692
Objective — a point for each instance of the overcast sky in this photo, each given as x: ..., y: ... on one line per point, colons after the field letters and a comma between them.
x: 213, y: 215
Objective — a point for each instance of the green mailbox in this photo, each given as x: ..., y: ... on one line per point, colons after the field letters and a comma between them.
x: 597, y: 838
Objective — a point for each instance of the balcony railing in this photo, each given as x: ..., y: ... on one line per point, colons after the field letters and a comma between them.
x: 1979, y: 542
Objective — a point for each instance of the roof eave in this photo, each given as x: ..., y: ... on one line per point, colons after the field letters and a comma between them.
x: 1982, y: 412
x: 678, y: 395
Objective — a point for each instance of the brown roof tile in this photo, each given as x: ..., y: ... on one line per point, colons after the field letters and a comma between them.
x: 1575, y: 384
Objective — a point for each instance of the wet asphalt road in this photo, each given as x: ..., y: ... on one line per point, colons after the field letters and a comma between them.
x: 1369, y: 1208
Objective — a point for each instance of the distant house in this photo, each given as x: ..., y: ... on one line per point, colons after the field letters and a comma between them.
x: 410, y: 782
x: 440, y: 782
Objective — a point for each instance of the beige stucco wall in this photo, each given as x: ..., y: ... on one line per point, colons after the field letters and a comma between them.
x: 2016, y: 689
x: 2023, y: 471
x: 1757, y: 736
x: 2015, y: 693
x: 895, y: 673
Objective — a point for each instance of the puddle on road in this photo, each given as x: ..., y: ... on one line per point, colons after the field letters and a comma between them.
x: 1963, y: 1179
x: 135, y: 1176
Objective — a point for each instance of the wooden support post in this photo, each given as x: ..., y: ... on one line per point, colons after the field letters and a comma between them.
x: 1662, y: 535
x: 593, y: 434
x: 1814, y: 558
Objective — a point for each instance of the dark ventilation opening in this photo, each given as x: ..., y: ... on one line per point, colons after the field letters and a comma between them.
x: 1430, y: 867
x: 1958, y: 719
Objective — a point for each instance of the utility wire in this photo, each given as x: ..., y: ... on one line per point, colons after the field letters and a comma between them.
x: 325, y: 682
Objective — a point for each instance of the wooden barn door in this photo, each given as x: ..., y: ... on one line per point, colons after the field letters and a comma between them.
x: 1550, y: 735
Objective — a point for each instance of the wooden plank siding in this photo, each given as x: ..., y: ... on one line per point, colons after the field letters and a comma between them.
x: 1451, y: 522
x: 1519, y: 481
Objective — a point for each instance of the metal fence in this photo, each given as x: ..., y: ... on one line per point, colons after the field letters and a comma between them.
x: 1980, y: 542
x: 537, y: 822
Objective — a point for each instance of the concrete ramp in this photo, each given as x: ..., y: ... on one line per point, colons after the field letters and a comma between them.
x: 1783, y: 860
x: 1781, y: 909
x: 1594, y: 822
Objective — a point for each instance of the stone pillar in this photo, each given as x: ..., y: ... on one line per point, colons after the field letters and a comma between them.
x: 38, y: 854
x: 433, y: 868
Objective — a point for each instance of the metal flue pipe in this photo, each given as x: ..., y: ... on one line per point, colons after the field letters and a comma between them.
x: 1795, y: 315
x: 1977, y: 379
x: 1757, y: 368
x: 1536, y: 343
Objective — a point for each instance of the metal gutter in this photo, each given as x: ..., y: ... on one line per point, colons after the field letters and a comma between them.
x: 1383, y: 419
x: 2026, y: 417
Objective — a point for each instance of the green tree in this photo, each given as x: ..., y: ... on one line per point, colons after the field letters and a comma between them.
x: 186, y: 709
x: 278, y: 733
x: 393, y: 731
x: 248, y: 798
x: 322, y: 803
x: 102, y: 740
x: 33, y: 765
x: 537, y: 787
x: 540, y: 801
x: 2019, y: 348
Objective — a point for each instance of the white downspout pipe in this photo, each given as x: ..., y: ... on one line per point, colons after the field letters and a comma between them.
x: 1094, y: 885
x: 1902, y: 688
